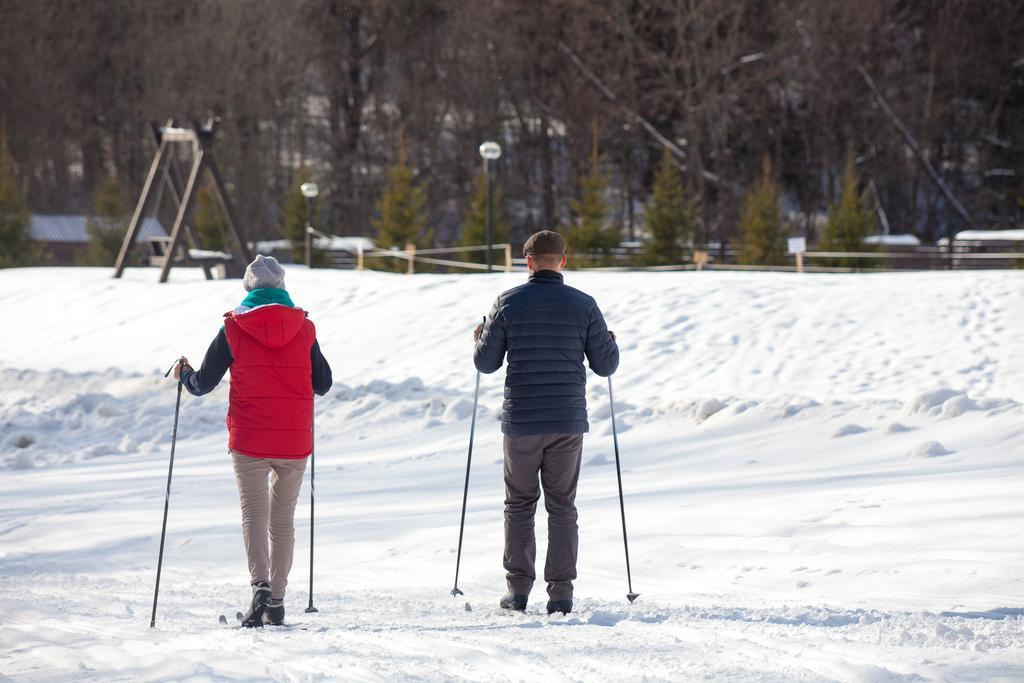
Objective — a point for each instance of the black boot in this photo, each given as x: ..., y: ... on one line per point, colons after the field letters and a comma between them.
x: 260, y: 598
x: 514, y: 601
x: 275, y: 613
x: 563, y: 606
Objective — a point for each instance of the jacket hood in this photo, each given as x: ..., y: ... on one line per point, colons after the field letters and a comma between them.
x: 273, y: 325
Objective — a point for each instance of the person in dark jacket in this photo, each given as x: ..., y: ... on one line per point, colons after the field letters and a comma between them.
x: 546, y: 329
x: 276, y: 367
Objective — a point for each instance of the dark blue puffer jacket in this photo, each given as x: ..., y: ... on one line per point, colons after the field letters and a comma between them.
x: 546, y: 328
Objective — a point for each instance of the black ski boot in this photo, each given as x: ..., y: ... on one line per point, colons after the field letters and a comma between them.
x: 563, y: 606
x: 260, y: 599
x: 274, y: 616
x: 514, y: 601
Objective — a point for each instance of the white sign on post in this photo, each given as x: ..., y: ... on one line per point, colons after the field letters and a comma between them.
x: 797, y: 245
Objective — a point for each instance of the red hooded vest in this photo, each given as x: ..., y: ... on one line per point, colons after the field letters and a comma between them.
x: 270, y: 413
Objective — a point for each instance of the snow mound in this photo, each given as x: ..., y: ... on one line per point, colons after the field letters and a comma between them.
x: 848, y: 430
x: 794, y: 408
x: 950, y: 403
x: 458, y: 410
x: 110, y: 413
x: 957, y: 406
x: 929, y: 449
x: 600, y: 407
x: 994, y: 406
x: 931, y: 402
x: 620, y: 426
x: 743, y: 406
x: 706, y: 409
x: 398, y: 404
x: 897, y: 428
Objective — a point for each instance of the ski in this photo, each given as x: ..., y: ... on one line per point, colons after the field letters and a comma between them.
x: 223, y: 621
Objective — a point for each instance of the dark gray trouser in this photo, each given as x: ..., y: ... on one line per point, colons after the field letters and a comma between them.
x: 556, y: 457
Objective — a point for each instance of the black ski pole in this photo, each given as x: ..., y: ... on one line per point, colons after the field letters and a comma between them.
x: 631, y: 596
x: 312, y: 494
x: 465, y: 490
x: 167, y: 499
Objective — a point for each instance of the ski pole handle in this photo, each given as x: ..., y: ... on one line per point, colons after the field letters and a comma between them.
x: 181, y: 359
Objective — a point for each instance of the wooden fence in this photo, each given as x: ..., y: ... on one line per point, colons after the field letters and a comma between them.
x: 954, y: 255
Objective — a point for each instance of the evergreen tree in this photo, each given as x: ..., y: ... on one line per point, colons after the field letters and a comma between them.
x: 668, y: 216
x: 590, y: 238
x: 474, y: 229
x: 849, y: 222
x: 16, y: 245
x: 402, y: 210
x: 210, y: 222
x: 761, y: 223
x: 107, y: 225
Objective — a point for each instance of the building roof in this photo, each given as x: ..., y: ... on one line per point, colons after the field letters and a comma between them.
x: 1012, y: 235
x: 332, y: 243
x: 894, y: 240
x: 55, y: 228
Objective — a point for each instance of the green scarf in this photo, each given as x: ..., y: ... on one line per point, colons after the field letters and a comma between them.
x: 267, y: 295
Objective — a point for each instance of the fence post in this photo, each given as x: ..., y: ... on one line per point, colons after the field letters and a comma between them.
x: 410, y: 252
x: 359, y: 257
x: 800, y: 262
x: 508, y: 257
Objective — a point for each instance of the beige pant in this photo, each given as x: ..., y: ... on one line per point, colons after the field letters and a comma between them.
x: 268, y: 517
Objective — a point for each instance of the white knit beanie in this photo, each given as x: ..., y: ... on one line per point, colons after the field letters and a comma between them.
x: 263, y: 272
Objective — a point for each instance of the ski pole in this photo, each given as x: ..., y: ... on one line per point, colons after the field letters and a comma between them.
x: 631, y: 596
x: 167, y: 499
x: 465, y: 491
x: 312, y: 489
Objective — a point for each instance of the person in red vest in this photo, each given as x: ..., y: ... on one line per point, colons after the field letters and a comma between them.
x: 276, y: 366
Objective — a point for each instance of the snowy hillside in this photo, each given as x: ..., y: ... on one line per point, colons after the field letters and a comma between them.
x: 822, y: 473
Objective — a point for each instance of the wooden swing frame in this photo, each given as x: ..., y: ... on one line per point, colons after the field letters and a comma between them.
x: 164, y: 169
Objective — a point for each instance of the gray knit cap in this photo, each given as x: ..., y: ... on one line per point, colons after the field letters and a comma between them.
x: 263, y: 272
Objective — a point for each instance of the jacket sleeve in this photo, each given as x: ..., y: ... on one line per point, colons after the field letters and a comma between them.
x: 322, y: 378
x: 602, y: 351
x: 215, y: 364
x: 489, y: 353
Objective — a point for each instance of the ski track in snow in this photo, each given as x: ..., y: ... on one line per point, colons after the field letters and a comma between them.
x: 822, y: 477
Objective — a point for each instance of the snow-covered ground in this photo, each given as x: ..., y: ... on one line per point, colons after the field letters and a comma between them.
x: 822, y: 473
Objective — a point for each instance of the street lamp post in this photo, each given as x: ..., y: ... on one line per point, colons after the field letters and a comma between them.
x: 310, y: 192
x: 490, y: 151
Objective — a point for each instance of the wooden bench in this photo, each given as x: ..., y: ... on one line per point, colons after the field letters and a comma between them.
x: 215, y: 264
